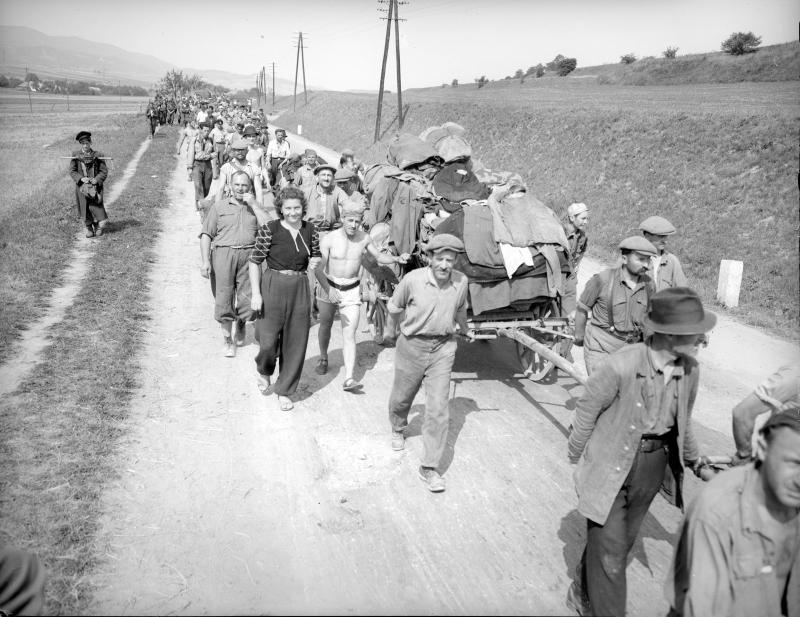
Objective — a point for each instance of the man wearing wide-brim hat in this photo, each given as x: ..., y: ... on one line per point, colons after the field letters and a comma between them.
x: 89, y: 171
x: 434, y: 299
x: 632, y: 425
x: 665, y: 268
x: 616, y: 299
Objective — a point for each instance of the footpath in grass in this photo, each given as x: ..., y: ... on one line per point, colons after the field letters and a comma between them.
x: 726, y: 178
x: 62, y: 425
x: 39, y: 221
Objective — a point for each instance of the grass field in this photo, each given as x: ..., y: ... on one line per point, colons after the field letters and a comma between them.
x: 60, y: 429
x: 17, y: 101
x: 38, y: 219
x: 718, y: 160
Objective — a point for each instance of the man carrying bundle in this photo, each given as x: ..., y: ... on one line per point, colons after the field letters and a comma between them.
x: 89, y: 171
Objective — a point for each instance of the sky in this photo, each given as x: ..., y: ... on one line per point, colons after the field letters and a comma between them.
x: 440, y: 40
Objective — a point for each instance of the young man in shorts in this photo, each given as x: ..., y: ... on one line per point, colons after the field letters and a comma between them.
x: 340, y: 286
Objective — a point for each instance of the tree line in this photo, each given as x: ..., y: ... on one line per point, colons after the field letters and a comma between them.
x: 70, y: 86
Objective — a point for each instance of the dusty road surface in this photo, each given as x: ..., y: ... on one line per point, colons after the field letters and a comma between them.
x: 227, y: 505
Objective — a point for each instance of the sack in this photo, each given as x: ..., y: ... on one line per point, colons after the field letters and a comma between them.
x: 407, y: 150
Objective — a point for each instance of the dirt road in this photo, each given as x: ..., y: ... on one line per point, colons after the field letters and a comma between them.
x: 227, y: 505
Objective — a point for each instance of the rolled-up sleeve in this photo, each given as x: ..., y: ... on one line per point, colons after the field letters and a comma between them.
x: 400, y: 297
x: 210, y: 224
x: 590, y: 293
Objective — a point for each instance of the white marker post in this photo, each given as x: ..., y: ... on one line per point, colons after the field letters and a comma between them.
x: 730, y: 282
x: 299, y: 129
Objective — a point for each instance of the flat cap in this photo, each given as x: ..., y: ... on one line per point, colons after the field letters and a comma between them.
x: 789, y: 417
x: 309, y: 152
x: 577, y: 208
x: 638, y: 244
x: 343, y: 174
x: 347, y: 152
x: 83, y: 135
x: 444, y: 242
x: 657, y: 225
x: 239, y: 144
x: 250, y: 130
x: 319, y: 168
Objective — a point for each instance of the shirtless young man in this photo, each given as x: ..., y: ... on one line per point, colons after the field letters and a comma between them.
x: 338, y: 276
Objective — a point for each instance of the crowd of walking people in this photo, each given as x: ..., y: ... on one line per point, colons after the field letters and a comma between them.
x: 283, y: 239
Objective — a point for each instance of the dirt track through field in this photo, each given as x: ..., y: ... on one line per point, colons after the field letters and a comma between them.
x: 225, y: 504
x: 28, y: 350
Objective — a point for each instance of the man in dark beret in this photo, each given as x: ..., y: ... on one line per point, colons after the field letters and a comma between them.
x: 88, y: 170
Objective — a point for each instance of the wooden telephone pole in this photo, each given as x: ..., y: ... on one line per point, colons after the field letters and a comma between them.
x: 301, y: 57
x: 393, y: 14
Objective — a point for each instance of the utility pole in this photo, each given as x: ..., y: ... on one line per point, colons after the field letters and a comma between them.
x: 273, y: 84
x: 300, y: 54
x: 393, y: 14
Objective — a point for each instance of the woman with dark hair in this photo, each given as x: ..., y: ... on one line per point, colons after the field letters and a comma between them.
x: 284, y: 247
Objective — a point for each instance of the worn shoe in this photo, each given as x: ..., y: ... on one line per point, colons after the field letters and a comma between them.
x: 239, y: 332
x: 577, y: 601
x: 89, y: 232
x: 351, y: 385
x: 322, y: 366
x: 398, y: 441
x: 230, y: 348
x: 264, y: 383
x: 432, y: 478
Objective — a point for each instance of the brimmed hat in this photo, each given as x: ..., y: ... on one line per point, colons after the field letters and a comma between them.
x: 789, y: 417
x: 250, y: 130
x: 347, y: 152
x: 678, y: 310
x: 639, y: 245
x: 658, y: 226
x: 319, y: 168
x: 343, y: 174
x: 444, y: 242
x: 577, y: 208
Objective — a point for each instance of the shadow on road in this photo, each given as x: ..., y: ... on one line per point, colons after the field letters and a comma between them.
x: 117, y: 226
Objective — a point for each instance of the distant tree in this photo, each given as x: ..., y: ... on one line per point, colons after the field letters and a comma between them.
x: 531, y: 70
x: 444, y: 85
x: 553, y: 65
x: 539, y: 70
x: 507, y: 77
x: 740, y: 43
x: 627, y: 59
x: 3, y: 81
x: 670, y: 52
x: 454, y: 83
x: 32, y: 77
x: 519, y: 74
x: 13, y: 82
x: 566, y: 66
x: 481, y: 81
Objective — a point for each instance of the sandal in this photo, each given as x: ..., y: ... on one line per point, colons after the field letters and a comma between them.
x: 322, y: 366
x: 264, y: 384
x: 350, y: 385
x: 286, y: 403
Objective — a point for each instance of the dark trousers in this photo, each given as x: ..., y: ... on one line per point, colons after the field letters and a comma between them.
x: 274, y: 164
x: 153, y: 122
x: 282, y: 330
x: 605, y: 558
x: 202, y: 175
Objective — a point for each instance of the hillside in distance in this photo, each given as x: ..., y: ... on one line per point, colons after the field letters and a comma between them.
x: 70, y: 57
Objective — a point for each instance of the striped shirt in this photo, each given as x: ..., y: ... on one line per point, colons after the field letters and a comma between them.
x: 283, y: 250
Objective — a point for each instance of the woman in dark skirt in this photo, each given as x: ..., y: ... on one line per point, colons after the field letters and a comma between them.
x: 278, y: 278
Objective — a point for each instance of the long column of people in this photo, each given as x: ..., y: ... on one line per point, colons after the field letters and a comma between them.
x: 431, y: 242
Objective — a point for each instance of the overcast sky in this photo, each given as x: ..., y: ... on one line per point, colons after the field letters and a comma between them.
x: 441, y: 39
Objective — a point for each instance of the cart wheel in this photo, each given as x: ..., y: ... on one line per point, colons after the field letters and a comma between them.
x: 535, y: 367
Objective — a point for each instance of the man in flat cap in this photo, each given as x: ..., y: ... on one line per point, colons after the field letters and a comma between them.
x: 347, y: 180
x: 617, y: 300
x: 433, y: 301
x: 665, y: 268
x: 631, y: 432
x: 89, y: 171
x: 738, y: 553
x: 340, y: 286
x: 304, y: 176
x: 261, y: 203
x: 278, y: 151
x: 202, y: 164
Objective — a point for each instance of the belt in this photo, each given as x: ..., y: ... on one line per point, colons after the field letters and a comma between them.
x: 431, y: 337
x: 652, y: 443
x: 633, y: 336
x: 234, y: 246
x: 288, y: 272
x: 346, y: 287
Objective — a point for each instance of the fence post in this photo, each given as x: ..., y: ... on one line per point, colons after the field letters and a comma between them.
x: 730, y: 282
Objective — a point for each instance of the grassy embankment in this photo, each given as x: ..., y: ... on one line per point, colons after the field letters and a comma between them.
x: 39, y: 220
x: 719, y: 161
x: 769, y: 63
x: 60, y: 429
